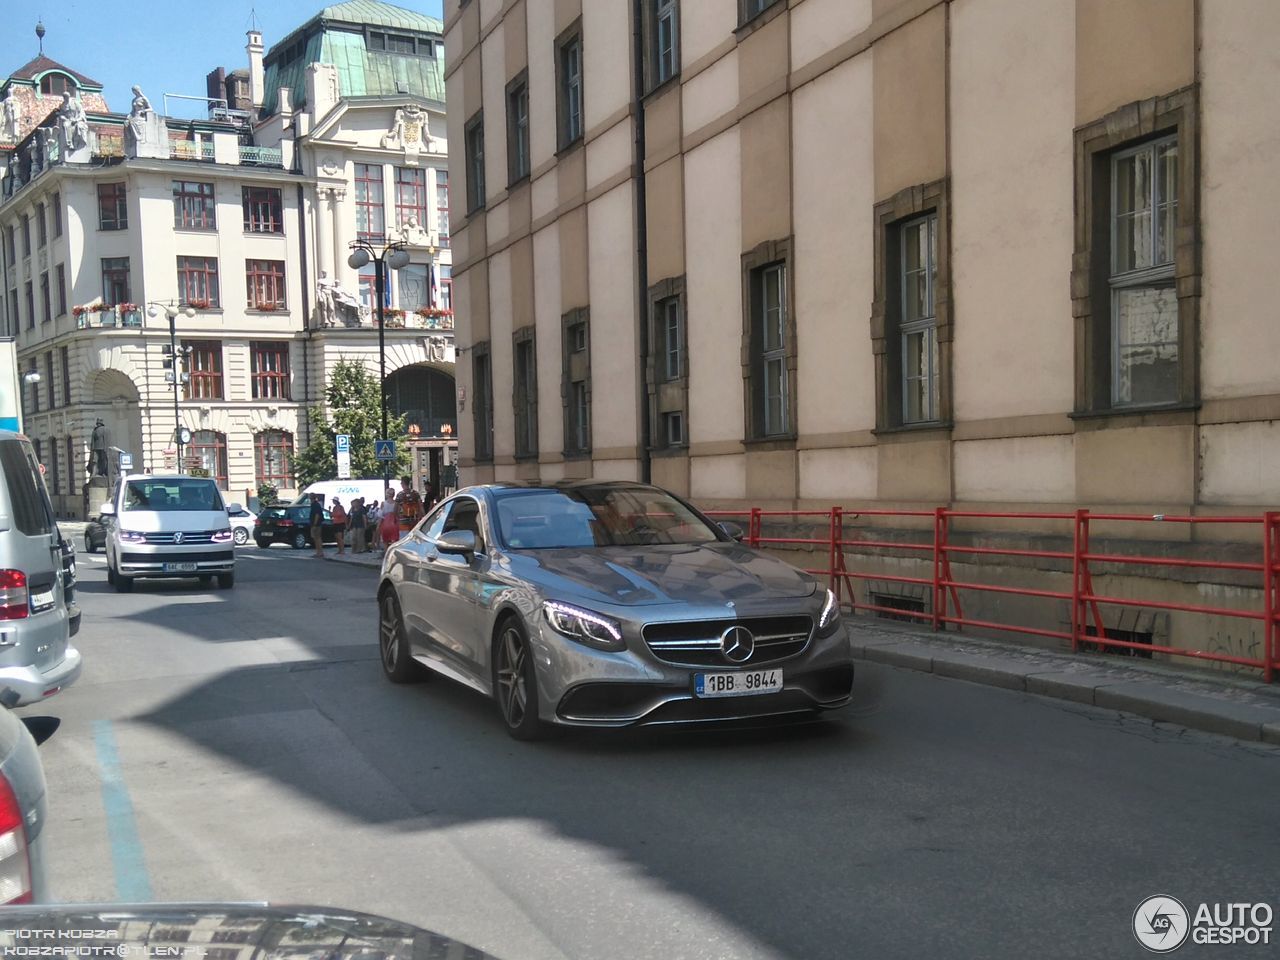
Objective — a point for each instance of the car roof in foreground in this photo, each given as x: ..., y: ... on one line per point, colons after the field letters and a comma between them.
x: 561, y: 485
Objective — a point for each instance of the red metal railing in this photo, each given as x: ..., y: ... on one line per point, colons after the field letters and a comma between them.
x: 1086, y: 622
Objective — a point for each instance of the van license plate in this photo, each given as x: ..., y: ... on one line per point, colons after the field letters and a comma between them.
x: 180, y: 568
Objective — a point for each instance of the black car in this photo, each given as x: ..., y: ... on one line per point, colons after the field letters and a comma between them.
x: 95, y: 535
x: 291, y: 525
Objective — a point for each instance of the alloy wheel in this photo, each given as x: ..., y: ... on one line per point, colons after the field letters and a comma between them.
x: 512, y: 694
x: 389, y: 633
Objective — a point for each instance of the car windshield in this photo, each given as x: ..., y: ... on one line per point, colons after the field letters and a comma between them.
x: 172, y: 494
x: 604, y: 516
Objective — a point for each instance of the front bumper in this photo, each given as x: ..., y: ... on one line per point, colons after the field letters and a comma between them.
x: 580, y: 686
x: 144, y: 560
x: 32, y: 685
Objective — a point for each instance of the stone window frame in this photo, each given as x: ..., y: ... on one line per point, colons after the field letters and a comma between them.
x: 519, y: 166
x: 526, y: 406
x: 482, y: 404
x: 568, y: 36
x: 1096, y: 143
x: 763, y: 255
x: 909, y: 204
x: 473, y: 131
x: 653, y: 78
x: 575, y: 368
x: 667, y: 396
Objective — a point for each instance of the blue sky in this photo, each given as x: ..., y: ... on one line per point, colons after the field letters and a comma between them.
x: 164, y: 47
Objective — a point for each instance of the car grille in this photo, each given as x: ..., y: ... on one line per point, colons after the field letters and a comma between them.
x: 212, y: 556
x: 198, y: 536
x: 696, y: 643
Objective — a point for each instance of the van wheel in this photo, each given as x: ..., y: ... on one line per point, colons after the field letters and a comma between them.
x: 111, y: 574
x: 300, y: 541
x: 226, y: 581
x: 124, y: 584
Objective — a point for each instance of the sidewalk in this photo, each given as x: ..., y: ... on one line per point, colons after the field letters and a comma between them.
x: 1235, y: 705
x: 373, y: 559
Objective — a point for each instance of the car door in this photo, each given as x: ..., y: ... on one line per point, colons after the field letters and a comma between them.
x: 417, y: 605
x: 455, y: 588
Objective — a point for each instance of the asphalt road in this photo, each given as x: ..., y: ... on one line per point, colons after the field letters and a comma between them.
x: 244, y: 745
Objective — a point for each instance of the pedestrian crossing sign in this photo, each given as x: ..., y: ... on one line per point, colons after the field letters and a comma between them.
x: 384, y: 449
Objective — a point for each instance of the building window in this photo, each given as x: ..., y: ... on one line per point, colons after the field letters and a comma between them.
x: 46, y: 301
x: 13, y: 322
x: 918, y: 318
x: 55, y: 471
x: 57, y: 214
x: 1144, y: 302
x: 444, y: 289
x: 30, y: 291
x: 71, y: 469
x: 518, y: 128
x: 662, y: 31
x: 769, y: 342
x: 204, y: 367
x: 910, y: 323
x: 442, y: 206
x: 211, y: 449
x: 569, y: 85
x: 56, y: 84
x: 115, y: 280
x: 525, y: 388
x: 482, y: 400
x: 411, y: 196
x: 263, y: 209
x: 273, y: 458
x: 673, y: 429
x: 269, y: 369
x: 10, y: 244
x: 193, y: 206
x: 264, y: 284
x: 61, y: 278
x: 42, y: 226
x: 670, y: 340
x: 667, y: 373
x: 113, y: 209
x: 198, y: 281
x: 26, y: 235
x: 1136, y: 285
x: 65, y: 357
x: 474, y: 144
x: 413, y: 284
x: 370, y: 211
x: 366, y: 285
x: 50, y: 390
x: 750, y: 9
x: 576, y: 382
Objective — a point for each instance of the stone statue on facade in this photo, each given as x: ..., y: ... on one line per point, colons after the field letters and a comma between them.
x: 406, y: 131
x: 10, y: 117
x: 394, y: 137
x: 135, y: 128
x: 144, y: 130
x: 73, y: 129
x: 334, y: 303
x: 99, y: 444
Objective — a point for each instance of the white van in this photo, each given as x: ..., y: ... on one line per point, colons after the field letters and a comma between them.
x: 373, y: 491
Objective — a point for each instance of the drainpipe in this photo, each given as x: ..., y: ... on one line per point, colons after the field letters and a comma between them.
x: 642, y: 235
x: 305, y: 420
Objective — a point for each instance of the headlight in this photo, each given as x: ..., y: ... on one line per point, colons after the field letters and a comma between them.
x: 222, y: 536
x: 133, y: 536
x: 829, y: 619
x: 584, y: 626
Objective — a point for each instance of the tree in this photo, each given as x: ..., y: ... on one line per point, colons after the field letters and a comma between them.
x: 355, y: 403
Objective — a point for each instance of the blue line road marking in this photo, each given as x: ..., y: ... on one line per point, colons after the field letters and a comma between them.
x: 132, y: 883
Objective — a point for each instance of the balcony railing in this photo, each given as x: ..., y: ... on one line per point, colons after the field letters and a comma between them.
x: 261, y: 157
x: 191, y: 150
x: 128, y: 316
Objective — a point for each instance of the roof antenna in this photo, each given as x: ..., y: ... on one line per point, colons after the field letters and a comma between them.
x: 40, y: 35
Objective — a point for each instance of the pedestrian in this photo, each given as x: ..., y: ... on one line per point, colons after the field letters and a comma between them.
x: 316, y: 522
x: 428, y: 496
x: 408, y: 505
x: 338, y: 514
x: 359, y: 532
x: 372, y: 518
x: 389, y: 526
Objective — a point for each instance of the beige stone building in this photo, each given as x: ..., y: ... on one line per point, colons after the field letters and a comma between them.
x: 989, y: 253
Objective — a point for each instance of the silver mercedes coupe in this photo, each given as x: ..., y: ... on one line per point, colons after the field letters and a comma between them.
x: 606, y: 604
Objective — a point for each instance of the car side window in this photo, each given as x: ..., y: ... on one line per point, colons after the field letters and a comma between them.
x: 433, y: 525
x: 32, y: 512
x: 464, y: 514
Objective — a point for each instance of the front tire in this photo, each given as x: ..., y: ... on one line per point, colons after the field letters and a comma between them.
x: 516, y: 686
x: 300, y: 541
x: 262, y: 544
x: 111, y: 573
x: 240, y: 536
x: 393, y: 647
x: 123, y: 584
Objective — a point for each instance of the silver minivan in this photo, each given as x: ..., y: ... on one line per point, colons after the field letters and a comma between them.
x: 37, y: 616
x: 168, y: 526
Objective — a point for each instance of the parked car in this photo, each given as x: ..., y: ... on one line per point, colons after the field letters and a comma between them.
x: 242, y: 523
x: 291, y: 525
x: 22, y: 804
x: 38, y: 610
x: 168, y: 526
x: 590, y: 603
x: 95, y: 534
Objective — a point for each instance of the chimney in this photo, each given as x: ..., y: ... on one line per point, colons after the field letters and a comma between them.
x: 215, y: 84
x: 254, y: 49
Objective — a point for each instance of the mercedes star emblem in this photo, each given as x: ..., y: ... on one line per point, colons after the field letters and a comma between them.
x: 737, y: 644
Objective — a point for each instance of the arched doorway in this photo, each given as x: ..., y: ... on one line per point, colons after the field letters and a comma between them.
x: 427, y: 398
x: 114, y: 399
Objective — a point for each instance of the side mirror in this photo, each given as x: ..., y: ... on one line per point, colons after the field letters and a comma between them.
x: 458, y: 543
x: 732, y: 529
x: 108, y: 509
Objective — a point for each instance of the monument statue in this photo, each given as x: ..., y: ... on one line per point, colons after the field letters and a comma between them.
x: 135, y: 128
x: 73, y: 123
x: 99, y: 443
x: 334, y: 303
x: 10, y: 117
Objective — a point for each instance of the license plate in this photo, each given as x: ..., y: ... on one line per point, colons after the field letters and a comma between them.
x: 743, y: 683
x: 42, y: 600
x: 180, y: 568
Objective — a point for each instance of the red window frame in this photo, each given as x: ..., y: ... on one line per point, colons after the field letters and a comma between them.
x: 113, y: 206
x: 264, y: 284
x: 273, y: 457
x: 198, y: 280
x: 442, y: 206
x: 411, y: 196
x: 263, y: 209
x: 204, y: 442
x: 115, y: 280
x: 371, y: 223
x: 194, y: 206
x: 204, y: 369
x: 269, y: 369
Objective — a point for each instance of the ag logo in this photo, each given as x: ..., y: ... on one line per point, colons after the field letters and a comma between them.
x: 1161, y: 923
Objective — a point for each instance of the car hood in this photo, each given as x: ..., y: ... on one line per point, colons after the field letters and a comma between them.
x: 169, y: 521
x: 280, y: 932
x: 683, y: 573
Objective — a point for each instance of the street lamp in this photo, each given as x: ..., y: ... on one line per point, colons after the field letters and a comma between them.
x: 171, y: 310
x: 395, y: 256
